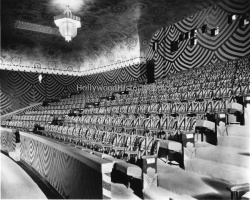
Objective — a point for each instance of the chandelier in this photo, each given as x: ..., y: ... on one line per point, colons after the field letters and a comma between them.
x: 68, y: 24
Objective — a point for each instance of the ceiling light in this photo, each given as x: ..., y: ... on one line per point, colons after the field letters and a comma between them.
x: 68, y: 24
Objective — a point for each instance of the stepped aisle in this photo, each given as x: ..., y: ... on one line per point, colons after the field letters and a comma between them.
x: 15, y: 182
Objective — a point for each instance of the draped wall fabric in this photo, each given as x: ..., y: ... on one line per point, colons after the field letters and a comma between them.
x: 231, y: 43
x: 19, y: 89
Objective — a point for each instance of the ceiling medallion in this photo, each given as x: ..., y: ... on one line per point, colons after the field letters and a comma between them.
x: 68, y: 24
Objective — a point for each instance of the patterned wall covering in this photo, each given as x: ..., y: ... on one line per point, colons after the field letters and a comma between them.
x: 70, y: 177
x: 19, y: 89
x: 8, y: 139
x: 232, y: 41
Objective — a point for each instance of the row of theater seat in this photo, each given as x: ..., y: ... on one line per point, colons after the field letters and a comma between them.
x: 143, y: 102
x: 148, y: 95
x: 132, y: 125
x: 232, y: 78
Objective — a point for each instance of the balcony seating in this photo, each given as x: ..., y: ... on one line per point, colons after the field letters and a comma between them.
x: 133, y: 125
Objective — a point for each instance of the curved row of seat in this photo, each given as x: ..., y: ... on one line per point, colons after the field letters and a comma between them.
x: 134, y: 124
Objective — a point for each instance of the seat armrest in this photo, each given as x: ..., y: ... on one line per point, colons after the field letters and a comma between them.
x: 187, y: 132
x: 113, y: 160
x: 149, y: 156
x: 118, y: 148
x: 171, y: 145
x: 129, y: 169
x: 102, y: 155
x: 238, y: 190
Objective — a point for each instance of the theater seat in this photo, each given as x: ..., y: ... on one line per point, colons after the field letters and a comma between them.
x: 240, y: 191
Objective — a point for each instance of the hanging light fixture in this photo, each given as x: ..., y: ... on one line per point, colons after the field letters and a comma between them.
x: 68, y: 24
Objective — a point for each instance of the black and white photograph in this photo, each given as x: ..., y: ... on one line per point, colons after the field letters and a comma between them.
x: 125, y: 99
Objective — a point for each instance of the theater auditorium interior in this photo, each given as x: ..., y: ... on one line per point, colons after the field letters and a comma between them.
x: 125, y: 99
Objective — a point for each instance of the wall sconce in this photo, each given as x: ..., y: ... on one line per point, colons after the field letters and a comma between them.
x: 193, y: 32
x: 244, y: 21
x: 231, y: 18
x: 204, y: 28
x: 187, y: 35
x: 193, y: 41
x: 40, y: 78
x: 181, y: 37
x: 215, y: 31
x: 174, y: 46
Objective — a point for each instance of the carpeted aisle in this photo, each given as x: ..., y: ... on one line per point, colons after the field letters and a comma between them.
x: 207, y: 175
x: 16, y: 183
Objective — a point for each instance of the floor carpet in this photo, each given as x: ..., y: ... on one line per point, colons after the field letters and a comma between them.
x: 16, y: 183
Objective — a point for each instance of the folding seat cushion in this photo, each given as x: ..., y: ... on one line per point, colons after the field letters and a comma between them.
x: 152, y: 123
x: 165, y: 108
x: 153, y: 108
x: 107, y: 141
x: 134, y: 146
x: 124, y: 109
x: 147, y: 145
x: 128, y: 122
x: 117, y: 121
x: 97, y: 139
x: 89, y: 136
x: 170, y: 145
x: 132, y: 109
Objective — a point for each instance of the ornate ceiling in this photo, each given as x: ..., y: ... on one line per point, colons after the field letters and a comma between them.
x: 112, y: 31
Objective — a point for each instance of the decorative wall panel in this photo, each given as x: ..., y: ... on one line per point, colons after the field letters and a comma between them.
x: 8, y: 139
x: 19, y: 89
x: 231, y: 43
x: 69, y: 176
